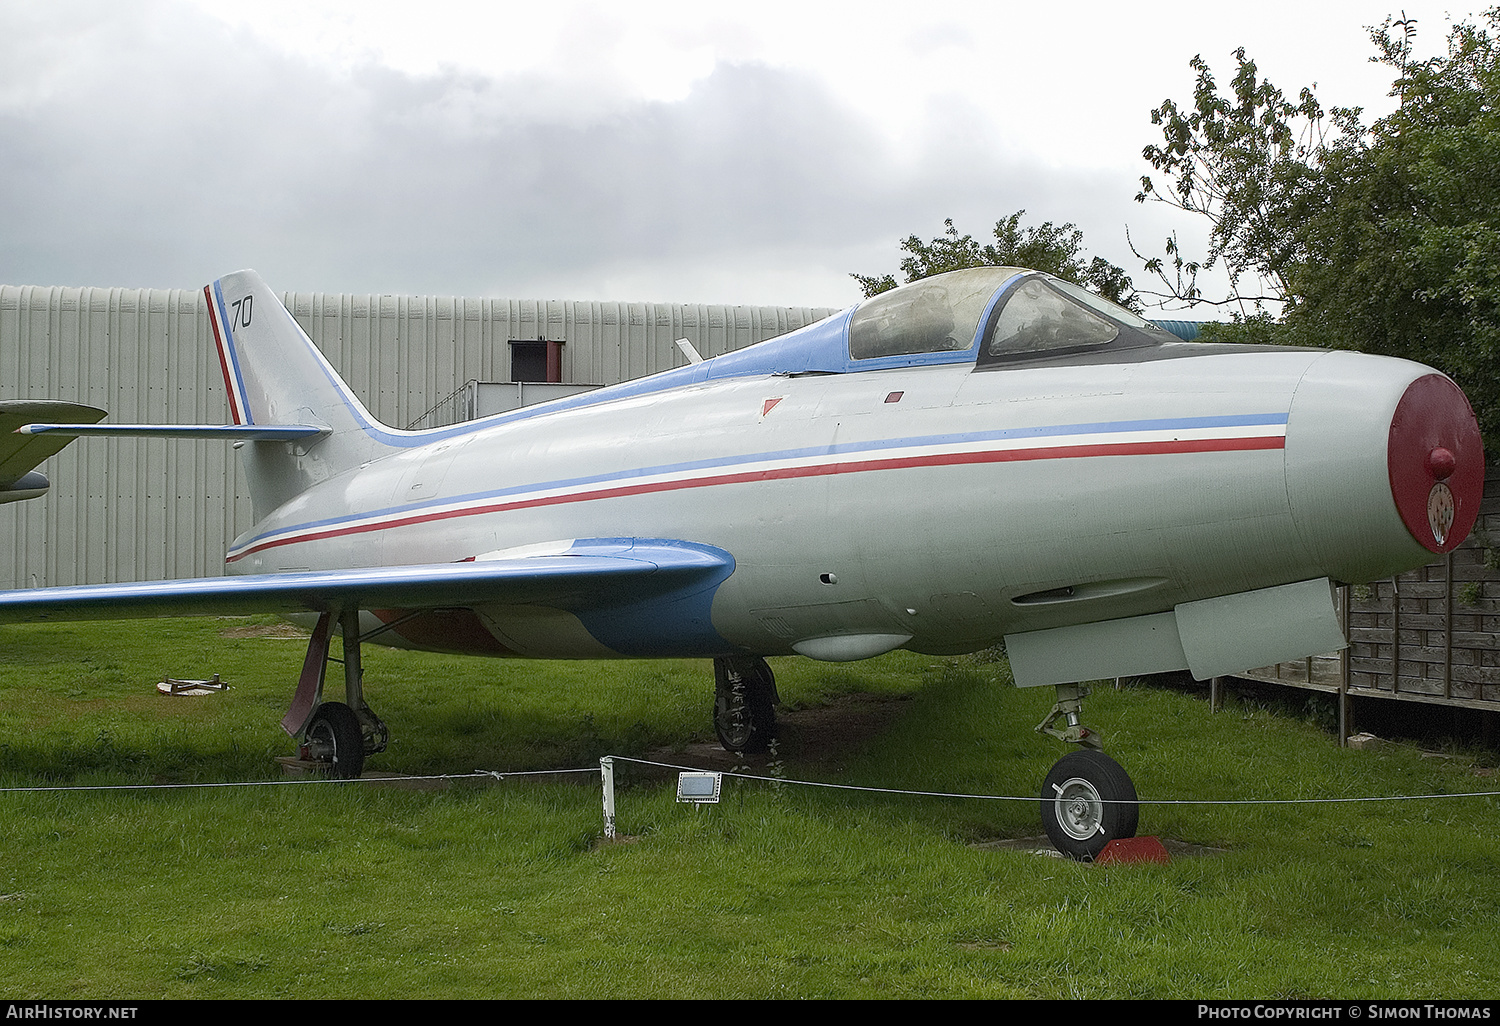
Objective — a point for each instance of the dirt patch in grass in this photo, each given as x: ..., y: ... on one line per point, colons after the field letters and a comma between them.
x: 265, y: 630
x: 823, y: 735
x: 827, y: 734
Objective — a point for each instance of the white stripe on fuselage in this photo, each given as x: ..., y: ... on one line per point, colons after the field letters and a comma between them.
x: 1062, y: 442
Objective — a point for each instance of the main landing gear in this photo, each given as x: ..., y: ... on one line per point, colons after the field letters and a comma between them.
x: 745, y: 702
x: 336, y: 734
x: 1087, y: 799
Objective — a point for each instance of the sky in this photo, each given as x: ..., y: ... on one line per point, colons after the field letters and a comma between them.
x: 677, y: 152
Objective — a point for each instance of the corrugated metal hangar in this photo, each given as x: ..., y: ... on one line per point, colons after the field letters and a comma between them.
x: 146, y: 509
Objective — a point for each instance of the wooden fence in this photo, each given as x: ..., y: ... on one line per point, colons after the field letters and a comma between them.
x: 1431, y: 635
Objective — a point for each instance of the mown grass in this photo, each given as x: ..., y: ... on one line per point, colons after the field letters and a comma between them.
x: 504, y: 891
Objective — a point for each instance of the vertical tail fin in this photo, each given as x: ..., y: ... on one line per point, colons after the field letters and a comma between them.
x: 275, y: 375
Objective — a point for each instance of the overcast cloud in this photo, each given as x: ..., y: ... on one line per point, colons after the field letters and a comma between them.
x: 163, y: 143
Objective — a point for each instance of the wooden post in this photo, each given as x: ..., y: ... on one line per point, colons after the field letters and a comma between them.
x: 1345, y: 708
x: 607, y: 778
x: 1448, y: 625
x: 1395, y: 635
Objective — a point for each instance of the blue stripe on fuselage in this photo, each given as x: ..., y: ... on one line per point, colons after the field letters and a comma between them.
x: 1048, y: 431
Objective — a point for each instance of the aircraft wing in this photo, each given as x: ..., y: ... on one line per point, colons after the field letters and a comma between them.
x: 592, y: 574
x: 21, y: 454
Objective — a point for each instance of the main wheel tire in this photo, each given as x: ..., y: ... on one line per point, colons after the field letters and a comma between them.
x: 1087, y: 801
x: 744, y: 710
x: 334, y: 734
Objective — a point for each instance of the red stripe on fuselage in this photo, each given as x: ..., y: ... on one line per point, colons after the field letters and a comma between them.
x: 817, y: 470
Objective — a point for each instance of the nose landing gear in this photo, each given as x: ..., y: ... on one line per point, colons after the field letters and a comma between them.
x: 1087, y: 798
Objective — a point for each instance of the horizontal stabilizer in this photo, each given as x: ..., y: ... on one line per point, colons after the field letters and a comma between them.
x: 589, y: 575
x: 20, y: 454
x: 232, y: 432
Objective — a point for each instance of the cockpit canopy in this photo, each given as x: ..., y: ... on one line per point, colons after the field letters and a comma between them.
x: 987, y: 316
x: 1042, y: 314
x: 1007, y: 312
x: 933, y: 315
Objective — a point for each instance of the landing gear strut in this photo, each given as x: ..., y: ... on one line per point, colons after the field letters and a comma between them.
x: 1069, y: 709
x: 744, y: 703
x: 336, y: 734
x: 1087, y: 799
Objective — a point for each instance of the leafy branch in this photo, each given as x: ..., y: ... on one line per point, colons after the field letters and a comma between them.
x: 1248, y: 161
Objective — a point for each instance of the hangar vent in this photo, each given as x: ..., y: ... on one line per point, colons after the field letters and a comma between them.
x: 151, y: 509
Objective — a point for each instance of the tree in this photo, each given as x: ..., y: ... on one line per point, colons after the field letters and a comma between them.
x: 1248, y: 163
x: 1404, y: 258
x: 1056, y: 250
x: 1383, y: 238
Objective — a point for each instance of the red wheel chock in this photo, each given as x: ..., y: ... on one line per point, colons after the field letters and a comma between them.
x: 1134, y: 849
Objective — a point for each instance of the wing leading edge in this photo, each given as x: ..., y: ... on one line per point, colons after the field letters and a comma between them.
x: 615, y: 577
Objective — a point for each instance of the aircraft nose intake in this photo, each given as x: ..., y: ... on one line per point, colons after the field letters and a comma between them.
x: 1384, y: 465
x: 1436, y: 462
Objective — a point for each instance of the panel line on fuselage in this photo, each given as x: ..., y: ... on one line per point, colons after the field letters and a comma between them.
x: 1115, y: 438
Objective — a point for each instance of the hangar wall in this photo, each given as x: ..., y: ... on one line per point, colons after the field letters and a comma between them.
x: 151, y: 509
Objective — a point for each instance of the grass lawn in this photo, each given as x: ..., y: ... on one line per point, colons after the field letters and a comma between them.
x: 503, y: 890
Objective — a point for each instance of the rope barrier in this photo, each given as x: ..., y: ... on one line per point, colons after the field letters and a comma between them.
x: 1032, y: 798
x: 502, y: 775
x: 476, y: 774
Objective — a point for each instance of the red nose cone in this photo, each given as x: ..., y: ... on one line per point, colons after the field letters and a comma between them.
x: 1436, y: 463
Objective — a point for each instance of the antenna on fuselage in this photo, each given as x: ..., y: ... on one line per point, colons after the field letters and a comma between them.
x: 688, y: 351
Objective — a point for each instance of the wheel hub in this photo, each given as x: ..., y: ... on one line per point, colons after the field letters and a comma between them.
x: 1080, y: 810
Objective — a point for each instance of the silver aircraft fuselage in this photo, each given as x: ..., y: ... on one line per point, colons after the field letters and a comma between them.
x: 936, y: 508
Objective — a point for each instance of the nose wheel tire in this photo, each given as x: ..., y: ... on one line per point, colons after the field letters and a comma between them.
x: 334, y: 737
x: 1087, y: 801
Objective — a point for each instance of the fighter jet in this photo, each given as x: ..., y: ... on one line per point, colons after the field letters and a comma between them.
x: 988, y: 456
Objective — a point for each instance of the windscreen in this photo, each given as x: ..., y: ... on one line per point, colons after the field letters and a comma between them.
x: 1038, y: 318
x: 1046, y: 314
